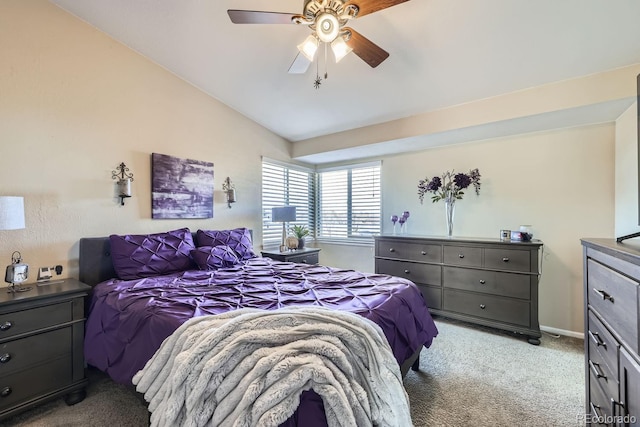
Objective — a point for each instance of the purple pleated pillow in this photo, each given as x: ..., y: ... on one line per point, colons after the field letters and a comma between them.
x: 214, y: 257
x: 238, y: 239
x: 136, y: 256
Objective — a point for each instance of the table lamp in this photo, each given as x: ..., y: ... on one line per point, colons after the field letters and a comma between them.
x: 283, y: 214
x: 12, y: 218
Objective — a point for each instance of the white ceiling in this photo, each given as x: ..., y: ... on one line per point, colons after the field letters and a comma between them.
x: 442, y: 53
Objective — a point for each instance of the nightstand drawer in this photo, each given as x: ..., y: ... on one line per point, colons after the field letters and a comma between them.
x: 463, y: 256
x: 487, y: 307
x: 21, y: 353
x: 311, y: 258
x: 409, y: 251
x: 615, y: 298
x: 427, y: 274
x: 507, y: 259
x: 488, y: 282
x: 20, y: 322
x: 33, y: 382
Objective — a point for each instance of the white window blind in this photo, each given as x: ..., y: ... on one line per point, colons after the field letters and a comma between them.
x: 349, y: 202
x: 286, y: 185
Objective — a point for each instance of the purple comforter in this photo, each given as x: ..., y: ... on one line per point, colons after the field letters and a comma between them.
x: 128, y: 320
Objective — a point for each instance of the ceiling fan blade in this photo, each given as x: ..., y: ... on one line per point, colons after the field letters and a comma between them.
x: 300, y: 65
x: 368, y: 51
x: 257, y: 17
x: 369, y: 6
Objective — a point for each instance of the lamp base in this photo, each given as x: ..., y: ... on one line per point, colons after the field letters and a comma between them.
x: 15, y: 288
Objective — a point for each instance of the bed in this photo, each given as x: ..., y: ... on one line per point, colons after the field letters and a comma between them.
x: 146, y: 286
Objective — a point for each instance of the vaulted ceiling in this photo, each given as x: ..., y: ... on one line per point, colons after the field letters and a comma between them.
x: 442, y: 53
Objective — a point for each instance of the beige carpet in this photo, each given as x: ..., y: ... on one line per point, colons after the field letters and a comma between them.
x: 471, y: 376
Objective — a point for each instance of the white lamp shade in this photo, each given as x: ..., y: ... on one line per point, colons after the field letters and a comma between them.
x: 340, y: 48
x: 327, y: 27
x: 11, y: 213
x: 309, y: 47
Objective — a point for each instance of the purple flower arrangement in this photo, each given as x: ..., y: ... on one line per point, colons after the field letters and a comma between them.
x: 402, y: 220
x: 449, y: 186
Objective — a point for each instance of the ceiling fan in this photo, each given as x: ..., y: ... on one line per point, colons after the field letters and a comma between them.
x: 327, y: 19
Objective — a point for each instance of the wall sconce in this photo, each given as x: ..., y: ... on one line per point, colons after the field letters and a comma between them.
x: 230, y: 191
x: 124, y: 181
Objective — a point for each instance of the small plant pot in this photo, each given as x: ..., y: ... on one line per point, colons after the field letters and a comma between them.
x: 300, y: 243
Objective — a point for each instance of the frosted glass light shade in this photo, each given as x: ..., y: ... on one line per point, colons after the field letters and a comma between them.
x: 327, y: 27
x: 340, y: 48
x: 309, y: 47
x: 11, y: 213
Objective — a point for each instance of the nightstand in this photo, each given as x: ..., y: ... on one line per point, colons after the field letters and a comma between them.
x: 301, y: 256
x: 41, y: 345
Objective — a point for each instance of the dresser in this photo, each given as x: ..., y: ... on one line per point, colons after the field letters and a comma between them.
x: 612, y: 364
x: 41, y: 345
x: 300, y: 256
x: 489, y: 282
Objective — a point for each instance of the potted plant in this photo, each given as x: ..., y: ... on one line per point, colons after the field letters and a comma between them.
x: 300, y: 232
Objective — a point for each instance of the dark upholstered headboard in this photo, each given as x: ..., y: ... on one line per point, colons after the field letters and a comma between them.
x: 95, y: 259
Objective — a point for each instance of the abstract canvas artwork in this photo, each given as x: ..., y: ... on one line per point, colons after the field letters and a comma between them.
x: 181, y: 188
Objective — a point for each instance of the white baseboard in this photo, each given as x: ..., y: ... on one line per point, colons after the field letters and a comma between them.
x: 564, y: 332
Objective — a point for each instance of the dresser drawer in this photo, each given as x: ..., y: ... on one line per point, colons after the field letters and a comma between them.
x: 488, y: 307
x: 409, y: 251
x: 602, y: 374
x: 427, y: 274
x: 602, y: 342
x: 488, y: 282
x: 24, y: 352
x: 33, y: 382
x: 463, y: 255
x: 304, y: 258
x: 507, y: 259
x: 20, y: 322
x: 615, y: 298
x: 432, y: 296
x: 599, y: 401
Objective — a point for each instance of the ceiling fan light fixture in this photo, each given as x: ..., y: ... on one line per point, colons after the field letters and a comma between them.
x: 340, y: 48
x: 327, y: 27
x: 309, y: 47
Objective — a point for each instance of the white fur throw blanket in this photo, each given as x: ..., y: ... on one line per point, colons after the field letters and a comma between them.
x: 248, y: 368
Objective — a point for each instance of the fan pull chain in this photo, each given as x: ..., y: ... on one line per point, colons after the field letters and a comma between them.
x: 326, y: 53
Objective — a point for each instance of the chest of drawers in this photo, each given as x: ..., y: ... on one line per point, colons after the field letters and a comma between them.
x: 300, y: 256
x: 41, y: 345
x: 612, y: 339
x: 485, y: 281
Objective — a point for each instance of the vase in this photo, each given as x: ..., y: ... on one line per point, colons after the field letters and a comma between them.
x: 301, y: 243
x: 449, y: 208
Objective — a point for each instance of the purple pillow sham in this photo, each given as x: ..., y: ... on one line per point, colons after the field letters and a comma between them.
x: 136, y: 256
x: 238, y: 239
x: 214, y: 257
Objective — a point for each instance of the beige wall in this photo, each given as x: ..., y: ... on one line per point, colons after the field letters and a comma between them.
x: 73, y: 105
x: 560, y: 182
x: 626, y: 187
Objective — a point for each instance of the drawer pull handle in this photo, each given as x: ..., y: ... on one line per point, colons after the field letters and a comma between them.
x: 605, y: 296
x: 391, y: 250
x: 505, y: 259
x: 460, y: 256
x: 5, y: 391
x: 482, y: 281
x: 595, y: 368
x: 615, y: 403
x: 407, y: 272
x: 482, y: 306
x: 5, y: 358
x: 6, y: 325
x: 423, y: 252
x: 596, y: 410
x: 595, y: 337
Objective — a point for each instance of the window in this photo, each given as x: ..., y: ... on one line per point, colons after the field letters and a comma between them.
x: 340, y: 203
x: 349, y: 202
x: 285, y: 184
